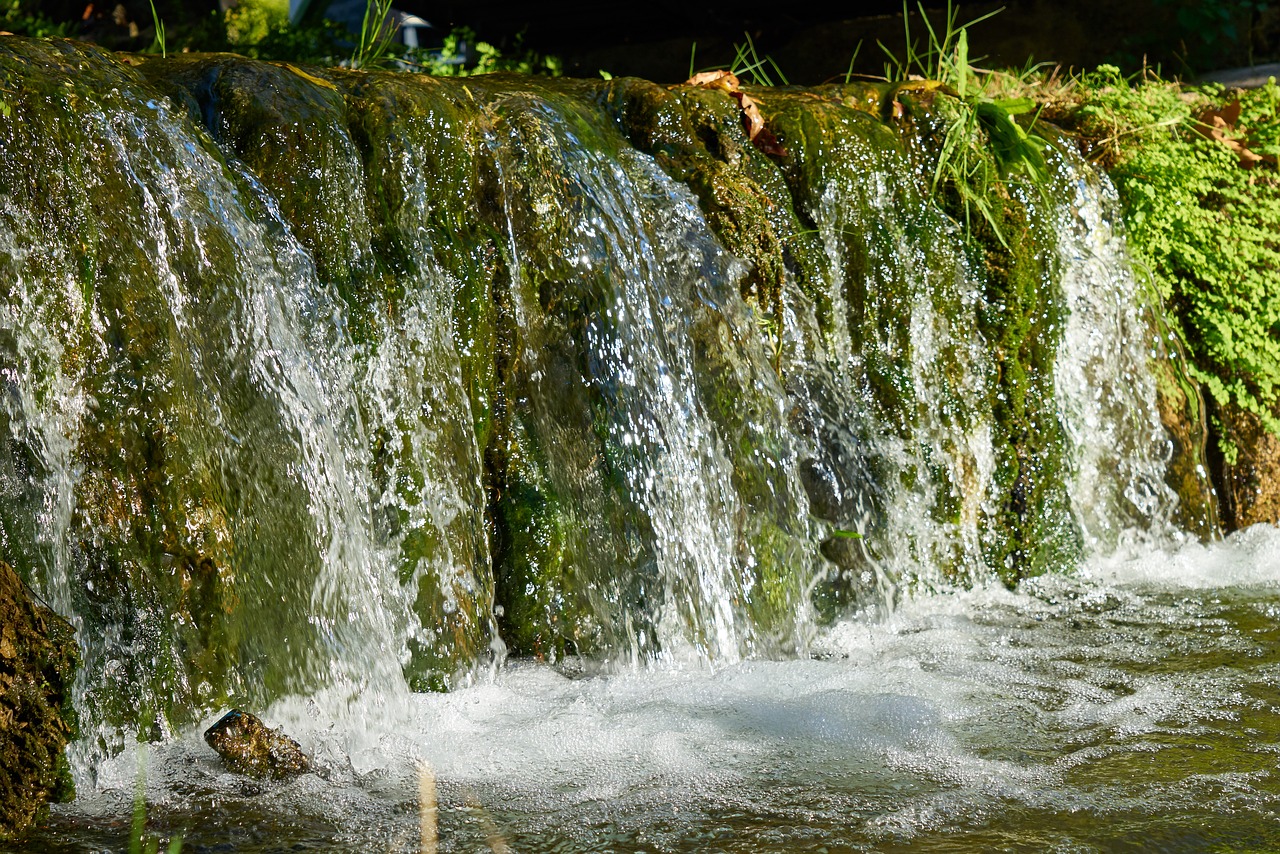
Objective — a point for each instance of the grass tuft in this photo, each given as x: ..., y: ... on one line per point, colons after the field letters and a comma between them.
x: 159, y: 43
x: 983, y: 144
x: 376, y: 35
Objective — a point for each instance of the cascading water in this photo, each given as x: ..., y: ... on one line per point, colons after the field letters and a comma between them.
x: 326, y: 390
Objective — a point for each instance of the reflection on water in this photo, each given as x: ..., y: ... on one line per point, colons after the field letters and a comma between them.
x: 1135, y: 706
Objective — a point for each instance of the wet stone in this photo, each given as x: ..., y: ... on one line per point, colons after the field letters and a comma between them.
x: 38, y: 657
x: 248, y: 746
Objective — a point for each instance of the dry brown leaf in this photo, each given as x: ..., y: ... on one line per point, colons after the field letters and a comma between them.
x: 1220, y: 125
x: 769, y: 144
x: 1225, y: 117
x: 750, y: 114
x: 727, y: 81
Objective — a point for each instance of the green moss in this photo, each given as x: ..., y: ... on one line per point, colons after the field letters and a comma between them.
x: 541, y: 613
x: 698, y: 138
x: 288, y: 127
x: 1186, y: 198
x: 1032, y: 531
x: 1182, y: 411
x: 146, y: 498
x: 379, y: 177
x: 38, y: 660
x: 467, y: 234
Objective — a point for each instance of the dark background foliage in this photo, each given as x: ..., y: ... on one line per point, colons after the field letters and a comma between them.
x: 811, y: 42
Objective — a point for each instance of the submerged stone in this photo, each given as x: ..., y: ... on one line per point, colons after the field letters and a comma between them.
x: 38, y: 657
x: 250, y: 747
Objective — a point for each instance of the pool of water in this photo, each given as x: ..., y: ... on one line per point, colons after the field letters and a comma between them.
x: 1132, y: 706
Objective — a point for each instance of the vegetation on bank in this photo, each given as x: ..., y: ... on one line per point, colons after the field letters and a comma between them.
x: 1195, y: 168
x: 1196, y: 172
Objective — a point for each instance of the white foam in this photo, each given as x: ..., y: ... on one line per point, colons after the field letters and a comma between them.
x: 1248, y: 558
x: 1125, y: 688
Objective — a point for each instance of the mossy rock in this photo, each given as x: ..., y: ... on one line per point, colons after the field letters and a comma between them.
x: 697, y: 136
x: 250, y: 747
x: 1245, y: 465
x: 1184, y: 416
x: 378, y: 176
x: 38, y: 659
x: 462, y: 233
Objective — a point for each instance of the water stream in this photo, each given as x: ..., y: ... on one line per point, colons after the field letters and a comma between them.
x: 1130, y: 707
x: 326, y: 392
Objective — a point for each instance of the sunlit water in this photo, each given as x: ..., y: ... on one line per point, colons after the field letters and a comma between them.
x: 336, y: 484
x: 1134, y: 706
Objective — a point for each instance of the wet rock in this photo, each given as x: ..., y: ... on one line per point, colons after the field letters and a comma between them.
x: 1248, y: 481
x: 249, y: 746
x: 1182, y: 409
x: 38, y: 657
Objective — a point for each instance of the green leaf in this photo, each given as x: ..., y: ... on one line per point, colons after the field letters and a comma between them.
x: 1016, y: 106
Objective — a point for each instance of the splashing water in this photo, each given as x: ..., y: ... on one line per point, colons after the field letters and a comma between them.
x: 472, y: 375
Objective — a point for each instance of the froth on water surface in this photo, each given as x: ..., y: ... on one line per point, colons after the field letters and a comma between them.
x: 1135, y: 704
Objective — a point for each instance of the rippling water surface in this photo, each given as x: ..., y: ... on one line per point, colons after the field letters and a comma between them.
x: 1135, y: 706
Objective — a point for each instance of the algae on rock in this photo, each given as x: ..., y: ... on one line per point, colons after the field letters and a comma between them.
x: 38, y: 658
x: 345, y: 378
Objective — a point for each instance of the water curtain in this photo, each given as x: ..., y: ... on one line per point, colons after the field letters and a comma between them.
x: 361, y: 382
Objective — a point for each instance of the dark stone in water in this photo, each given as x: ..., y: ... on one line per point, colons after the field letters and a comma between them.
x: 249, y: 746
x: 38, y: 657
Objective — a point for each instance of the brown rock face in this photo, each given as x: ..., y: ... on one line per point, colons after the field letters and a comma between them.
x: 1182, y: 412
x: 38, y: 657
x: 249, y: 746
x: 1250, y: 486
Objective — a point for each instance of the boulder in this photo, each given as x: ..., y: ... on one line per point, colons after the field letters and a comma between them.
x: 250, y: 747
x: 38, y: 657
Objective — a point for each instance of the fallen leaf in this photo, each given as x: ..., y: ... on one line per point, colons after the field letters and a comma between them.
x: 727, y: 81
x: 1225, y: 117
x: 311, y: 77
x: 750, y: 114
x: 769, y: 144
x: 1220, y: 125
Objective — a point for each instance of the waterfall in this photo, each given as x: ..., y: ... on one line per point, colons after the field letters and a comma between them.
x: 350, y: 385
x: 1106, y: 389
